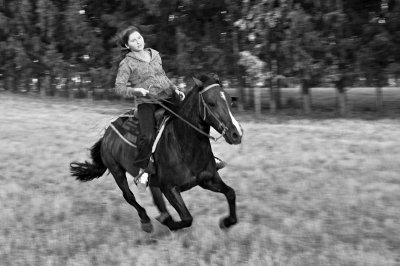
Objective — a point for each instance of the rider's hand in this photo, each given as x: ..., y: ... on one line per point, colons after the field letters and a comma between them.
x: 144, y: 92
x: 141, y: 91
x: 132, y: 92
x: 180, y: 94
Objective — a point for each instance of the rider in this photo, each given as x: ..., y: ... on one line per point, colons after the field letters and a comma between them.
x: 142, y: 67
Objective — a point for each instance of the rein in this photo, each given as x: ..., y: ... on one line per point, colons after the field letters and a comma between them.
x: 154, y: 98
x: 207, y: 108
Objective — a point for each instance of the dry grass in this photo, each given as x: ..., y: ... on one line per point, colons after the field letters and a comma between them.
x: 309, y: 192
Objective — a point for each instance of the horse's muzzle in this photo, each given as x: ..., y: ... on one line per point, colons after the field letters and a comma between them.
x: 234, y: 136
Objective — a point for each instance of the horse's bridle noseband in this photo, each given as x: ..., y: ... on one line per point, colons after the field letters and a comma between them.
x: 221, y: 125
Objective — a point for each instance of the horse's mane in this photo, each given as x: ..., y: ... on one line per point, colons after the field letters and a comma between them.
x: 190, y: 105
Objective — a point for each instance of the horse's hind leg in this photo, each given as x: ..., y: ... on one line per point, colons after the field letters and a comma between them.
x: 217, y: 185
x: 120, y: 177
x: 175, y: 198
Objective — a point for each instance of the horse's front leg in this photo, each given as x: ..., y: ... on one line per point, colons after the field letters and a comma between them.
x: 164, y: 217
x: 217, y: 185
x: 174, y: 197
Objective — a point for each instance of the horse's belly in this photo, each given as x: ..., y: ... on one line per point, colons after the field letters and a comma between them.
x: 180, y: 177
x: 189, y: 183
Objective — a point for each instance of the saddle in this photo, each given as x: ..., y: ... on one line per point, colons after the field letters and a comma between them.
x: 128, y: 128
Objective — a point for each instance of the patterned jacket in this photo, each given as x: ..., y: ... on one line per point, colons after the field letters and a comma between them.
x: 141, y: 74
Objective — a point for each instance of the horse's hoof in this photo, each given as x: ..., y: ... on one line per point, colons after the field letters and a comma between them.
x: 147, y: 227
x: 222, y: 223
x: 226, y: 223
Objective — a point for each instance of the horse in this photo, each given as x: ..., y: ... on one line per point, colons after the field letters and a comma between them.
x: 183, y: 158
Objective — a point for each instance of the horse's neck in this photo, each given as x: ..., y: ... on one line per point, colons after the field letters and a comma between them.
x: 193, y: 147
x: 188, y: 134
x: 190, y: 139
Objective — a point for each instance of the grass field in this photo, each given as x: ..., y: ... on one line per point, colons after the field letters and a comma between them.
x: 310, y: 191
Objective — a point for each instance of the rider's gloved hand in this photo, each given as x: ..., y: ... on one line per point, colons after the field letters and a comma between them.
x: 142, y: 91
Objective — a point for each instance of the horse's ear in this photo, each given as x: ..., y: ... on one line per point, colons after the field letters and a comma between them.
x: 215, y: 76
x: 198, y: 82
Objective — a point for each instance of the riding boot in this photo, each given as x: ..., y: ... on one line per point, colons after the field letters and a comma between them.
x: 144, y: 149
x: 142, y: 180
x: 147, y: 162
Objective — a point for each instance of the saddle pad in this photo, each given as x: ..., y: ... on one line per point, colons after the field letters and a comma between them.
x: 127, y: 127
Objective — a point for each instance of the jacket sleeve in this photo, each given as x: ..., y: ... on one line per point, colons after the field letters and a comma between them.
x: 122, y: 79
x: 172, y: 86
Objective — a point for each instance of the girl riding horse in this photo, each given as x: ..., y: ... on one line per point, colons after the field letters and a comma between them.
x: 183, y: 158
x: 142, y: 67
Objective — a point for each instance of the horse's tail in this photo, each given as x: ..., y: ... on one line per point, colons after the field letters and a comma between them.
x: 88, y: 171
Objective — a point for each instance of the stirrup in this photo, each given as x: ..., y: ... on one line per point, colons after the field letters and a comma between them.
x: 150, y: 167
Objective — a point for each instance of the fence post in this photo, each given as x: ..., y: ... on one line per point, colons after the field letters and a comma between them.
x: 272, y: 98
x: 306, y: 96
x: 42, y: 87
x: 46, y: 85
x: 379, y: 99
x: 2, y: 83
x: 257, y: 100
x: 90, y: 94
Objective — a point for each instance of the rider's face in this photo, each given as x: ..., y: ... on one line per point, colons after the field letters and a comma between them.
x: 135, y: 42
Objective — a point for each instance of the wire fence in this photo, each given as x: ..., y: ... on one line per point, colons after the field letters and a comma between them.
x: 251, y: 99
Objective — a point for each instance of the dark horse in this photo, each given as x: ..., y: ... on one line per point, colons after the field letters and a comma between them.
x: 183, y: 158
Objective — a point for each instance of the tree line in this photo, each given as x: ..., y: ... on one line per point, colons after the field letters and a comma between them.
x: 66, y: 45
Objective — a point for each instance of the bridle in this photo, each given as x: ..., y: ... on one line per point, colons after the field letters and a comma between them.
x: 207, y: 109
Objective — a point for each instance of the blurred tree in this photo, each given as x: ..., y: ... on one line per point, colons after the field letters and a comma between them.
x: 255, y: 76
x: 327, y: 38
x: 81, y: 47
x: 393, y: 25
x: 377, y: 54
x: 233, y: 14
x: 392, y: 19
x: 303, y: 47
x: 361, y: 44
x: 340, y: 49
x: 263, y: 26
x: 310, y: 41
x: 201, y: 36
x: 48, y: 61
x: 374, y: 58
x: 253, y: 33
x: 17, y: 17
